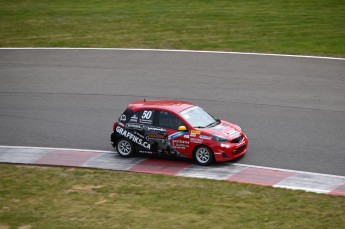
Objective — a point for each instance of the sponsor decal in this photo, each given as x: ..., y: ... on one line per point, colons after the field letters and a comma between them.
x: 121, y: 124
x: 156, y: 136
x: 188, y: 110
x: 230, y: 132
x: 132, y: 137
x: 186, y: 136
x: 156, y: 129
x: 123, y: 118
x: 144, y: 121
x: 146, y: 117
x: 180, y: 144
x: 145, y: 152
x: 225, y: 145
x: 195, y: 132
x: 195, y: 140
x: 134, y: 126
x: 134, y: 118
x: 205, y: 137
x: 192, y: 135
x: 176, y: 135
x: 181, y: 141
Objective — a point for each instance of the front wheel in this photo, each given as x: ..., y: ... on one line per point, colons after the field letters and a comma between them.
x: 124, y: 148
x: 203, y: 155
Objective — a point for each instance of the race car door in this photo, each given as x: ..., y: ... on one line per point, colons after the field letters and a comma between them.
x: 137, y: 123
x: 179, y: 140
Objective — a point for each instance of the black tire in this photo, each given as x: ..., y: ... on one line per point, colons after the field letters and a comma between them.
x: 124, y: 148
x: 203, y: 155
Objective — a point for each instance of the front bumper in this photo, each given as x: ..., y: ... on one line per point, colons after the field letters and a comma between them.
x: 229, y: 151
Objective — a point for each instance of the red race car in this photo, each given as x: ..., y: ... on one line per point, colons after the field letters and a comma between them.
x: 177, y: 129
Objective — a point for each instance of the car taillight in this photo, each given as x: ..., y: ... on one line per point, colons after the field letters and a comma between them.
x: 114, y: 126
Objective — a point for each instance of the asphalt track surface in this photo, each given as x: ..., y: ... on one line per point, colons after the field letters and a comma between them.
x: 291, y: 108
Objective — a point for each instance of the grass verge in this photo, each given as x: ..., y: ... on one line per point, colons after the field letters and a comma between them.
x: 312, y: 27
x: 47, y: 197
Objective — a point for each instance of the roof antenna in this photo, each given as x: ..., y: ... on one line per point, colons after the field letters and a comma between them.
x: 144, y: 100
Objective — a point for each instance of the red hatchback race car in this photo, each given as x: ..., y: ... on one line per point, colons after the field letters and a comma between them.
x: 177, y: 129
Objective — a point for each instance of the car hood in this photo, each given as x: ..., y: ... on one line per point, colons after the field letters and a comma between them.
x: 224, y: 129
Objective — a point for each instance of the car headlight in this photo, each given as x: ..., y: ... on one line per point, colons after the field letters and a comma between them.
x: 218, y: 138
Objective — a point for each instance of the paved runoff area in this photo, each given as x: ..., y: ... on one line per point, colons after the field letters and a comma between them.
x: 234, y: 172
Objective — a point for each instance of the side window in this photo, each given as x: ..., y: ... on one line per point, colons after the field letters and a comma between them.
x: 134, y: 118
x: 143, y: 117
x: 168, y: 120
x: 126, y: 115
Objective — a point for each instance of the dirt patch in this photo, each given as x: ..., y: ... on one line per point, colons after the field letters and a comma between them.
x: 244, y: 193
x: 25, y: 227
x: 101, y: 202
x: 87, y: 188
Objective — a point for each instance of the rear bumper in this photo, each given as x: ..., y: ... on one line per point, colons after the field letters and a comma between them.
x: 113, y: 138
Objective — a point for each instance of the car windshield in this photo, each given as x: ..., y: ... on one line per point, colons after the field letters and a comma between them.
x: 197, y: 117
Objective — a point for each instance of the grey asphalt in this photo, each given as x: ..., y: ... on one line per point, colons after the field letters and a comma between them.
x: 292, y: 109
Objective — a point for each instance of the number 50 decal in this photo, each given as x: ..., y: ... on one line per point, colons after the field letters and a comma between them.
x: 146, y: 115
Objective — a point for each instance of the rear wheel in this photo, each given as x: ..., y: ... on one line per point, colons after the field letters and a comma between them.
x: 124, y: 148
x: 203, y: 155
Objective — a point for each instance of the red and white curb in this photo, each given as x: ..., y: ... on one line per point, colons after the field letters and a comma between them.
x: 290, y: 179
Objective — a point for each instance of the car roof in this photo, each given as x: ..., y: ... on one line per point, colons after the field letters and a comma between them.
x: 169, y: 105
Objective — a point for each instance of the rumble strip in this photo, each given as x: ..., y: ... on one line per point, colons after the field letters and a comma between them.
x: 290, y: 179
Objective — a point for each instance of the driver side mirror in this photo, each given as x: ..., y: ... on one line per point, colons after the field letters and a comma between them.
x: 182, y: 128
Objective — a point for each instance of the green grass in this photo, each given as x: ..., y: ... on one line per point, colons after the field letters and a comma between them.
x: 47, y: 197
x: 311, y: 27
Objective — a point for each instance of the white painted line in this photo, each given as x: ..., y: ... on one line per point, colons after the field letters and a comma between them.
x: 290, y: 170
x: 302, y: 189
x: 175, y: 50
x: 319, y: 183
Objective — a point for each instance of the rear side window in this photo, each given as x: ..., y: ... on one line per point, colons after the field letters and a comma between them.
x: 126, y: 115
x: 168, y: 120
x: 143, y: 117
